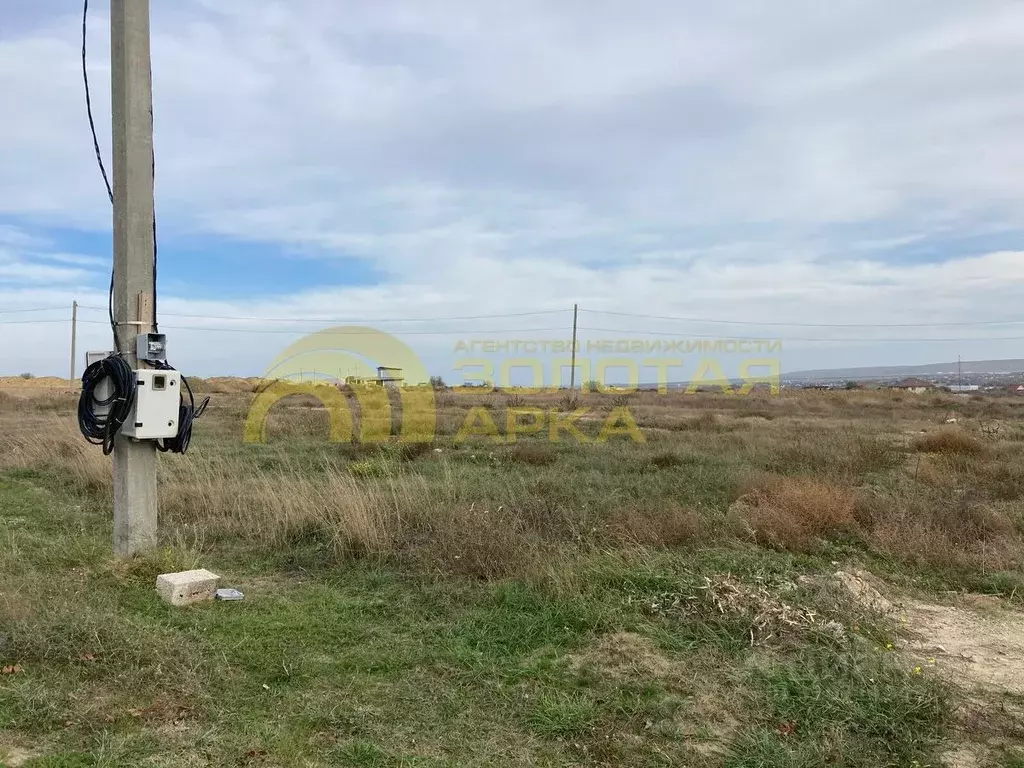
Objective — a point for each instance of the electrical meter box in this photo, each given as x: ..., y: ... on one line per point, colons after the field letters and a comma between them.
x: 151, y: 347
x: 157, y: 398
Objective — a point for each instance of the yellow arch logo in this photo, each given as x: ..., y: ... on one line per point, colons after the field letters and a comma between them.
x: 369, y: 362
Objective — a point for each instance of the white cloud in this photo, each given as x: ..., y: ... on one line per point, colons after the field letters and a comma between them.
x: 36, y: 273
x: 694, y: 159
x: 26, y: 259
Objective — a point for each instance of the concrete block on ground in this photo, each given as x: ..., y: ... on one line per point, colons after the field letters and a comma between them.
x: 187, y: 587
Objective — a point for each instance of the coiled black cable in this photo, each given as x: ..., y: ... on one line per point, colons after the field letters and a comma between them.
x: 188, y: 412
x: 100, y: 418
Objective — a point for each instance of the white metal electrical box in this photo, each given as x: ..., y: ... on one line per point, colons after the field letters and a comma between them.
x: 157, y: 398
x: 95, y: 357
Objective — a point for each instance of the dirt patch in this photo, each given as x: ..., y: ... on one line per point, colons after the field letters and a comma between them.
x: 976, y: 643
x: 15, y: 756
x: 625, y: 655
x: 858, y: 584
x: 967, y: 756
x: 970, y: 648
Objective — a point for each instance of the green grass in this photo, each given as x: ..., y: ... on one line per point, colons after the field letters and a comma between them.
x: 365, y: 664
x: 1012, y: 758
x: 548, y: 638
x: 855, y: 706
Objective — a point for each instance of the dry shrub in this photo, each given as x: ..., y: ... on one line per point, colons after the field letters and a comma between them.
x: 941, y: 528
x: 515, y: 401
x: 949, y: 440
x: 830, y: 453
x: 930, y: 472
x: 994, y: 476
x: 763, y: 610
x: 971, y: 520
x: 450, y: 421
x: 569, y: 402
x: 666, y: 527
x: 226, y: 385
x: 825, y: 453
x: 793, y: 512
x: 875, y: 454
x: 622, y: 400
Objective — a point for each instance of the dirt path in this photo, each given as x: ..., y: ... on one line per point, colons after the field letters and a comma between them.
x: 977, y: 643
x: 975, y: 648
x: 976, y: 640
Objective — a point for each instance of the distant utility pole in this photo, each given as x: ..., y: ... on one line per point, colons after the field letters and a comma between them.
x: 74, y: 331
x: 135, y: 506
x: 959, y: 375
x: 572, y: 371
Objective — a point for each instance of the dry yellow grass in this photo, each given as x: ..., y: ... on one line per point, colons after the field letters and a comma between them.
x: 33, y: 383
x: 48, y: 441
x: 794, y: 512
x: 788, y: 472
x: 579, y: 537
x: 949, y: 440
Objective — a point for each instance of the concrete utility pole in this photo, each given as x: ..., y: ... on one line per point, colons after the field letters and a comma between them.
x: 572, y: 371
x: 74, y: 332
x: 135, y: 507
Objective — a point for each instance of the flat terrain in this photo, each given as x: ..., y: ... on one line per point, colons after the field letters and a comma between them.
x: 803, y: 580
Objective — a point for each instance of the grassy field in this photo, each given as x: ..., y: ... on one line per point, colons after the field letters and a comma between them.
x: 670, y: 602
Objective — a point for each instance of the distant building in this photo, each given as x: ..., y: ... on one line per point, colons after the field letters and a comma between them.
x: 913, y: 385
x: 386, y: 377
x: 389, y: 377
x: 959, y: 388
x: 1017, y: 389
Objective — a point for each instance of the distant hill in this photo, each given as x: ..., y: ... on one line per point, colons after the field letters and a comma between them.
x: 977, y: 367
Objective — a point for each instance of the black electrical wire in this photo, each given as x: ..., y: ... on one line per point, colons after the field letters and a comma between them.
x: 188, y: 412
x: 106, y: 178
x: 101, y: 417
x: 99, y: 158
x: 100, y: 428
x: 88, y: 104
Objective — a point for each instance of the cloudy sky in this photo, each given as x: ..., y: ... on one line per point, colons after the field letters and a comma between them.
x: 788, y: 167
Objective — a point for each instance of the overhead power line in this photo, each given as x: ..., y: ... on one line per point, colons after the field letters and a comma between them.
x: 35, y: 322
x: 355, y: 319
x: 881, y: 340
x: 713, y: 321
x: 30, y: 309
x: 681, y: 333
x: 628, y: 331
x: 346, y: 332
